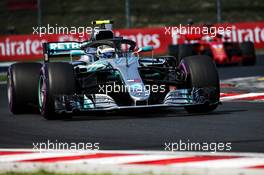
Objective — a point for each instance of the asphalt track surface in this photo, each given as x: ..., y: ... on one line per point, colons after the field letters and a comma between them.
x: 241, y: 123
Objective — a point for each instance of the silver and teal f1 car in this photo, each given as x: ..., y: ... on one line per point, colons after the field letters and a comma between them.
x: 110, y: 75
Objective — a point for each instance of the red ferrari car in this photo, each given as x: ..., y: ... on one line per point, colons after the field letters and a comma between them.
x: 222, y: 52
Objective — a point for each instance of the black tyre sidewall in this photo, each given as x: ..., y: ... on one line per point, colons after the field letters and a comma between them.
x: 47, y: 107
x: 22, y: 87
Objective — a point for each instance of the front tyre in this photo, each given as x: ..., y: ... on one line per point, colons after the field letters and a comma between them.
x: 56, y: 78
x: 201, y: 73
x: 22, y: 88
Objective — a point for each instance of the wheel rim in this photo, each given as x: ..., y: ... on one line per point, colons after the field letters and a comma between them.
x: 41, y: 92
x: 184, y: 70
x: 9, y: 91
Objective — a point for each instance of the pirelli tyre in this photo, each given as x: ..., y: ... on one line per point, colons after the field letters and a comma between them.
x: 22, y: 85
x: 55, y: 78
x: 201, y: 73
x: 248, y: 53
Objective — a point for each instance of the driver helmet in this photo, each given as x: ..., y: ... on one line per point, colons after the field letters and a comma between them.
x: 105, y: 52
x: 207, y: 38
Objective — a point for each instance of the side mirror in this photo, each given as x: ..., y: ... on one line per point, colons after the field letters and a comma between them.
x: 145, y: 49
x: 77, y: 52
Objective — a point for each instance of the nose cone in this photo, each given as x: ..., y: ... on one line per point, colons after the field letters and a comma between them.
x: 219, y: 53
x: 128, y: 68
x: 138, y: 91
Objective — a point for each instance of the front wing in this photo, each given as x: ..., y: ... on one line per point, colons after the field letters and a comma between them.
x: 83, y: 103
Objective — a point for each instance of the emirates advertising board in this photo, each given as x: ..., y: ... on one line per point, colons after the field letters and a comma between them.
x: 29, y: 47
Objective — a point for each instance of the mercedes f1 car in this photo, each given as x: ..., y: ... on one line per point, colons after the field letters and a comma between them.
x: 110, y: 75
x: 223, y: 52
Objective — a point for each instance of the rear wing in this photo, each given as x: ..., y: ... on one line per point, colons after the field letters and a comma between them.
x: 59, y: 49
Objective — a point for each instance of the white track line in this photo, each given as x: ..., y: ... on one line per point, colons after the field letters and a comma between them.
x: 37, y: 155
x: 140, y: 152
x: 225, y: 163
x: 6, y: 64
x: 124, y: 159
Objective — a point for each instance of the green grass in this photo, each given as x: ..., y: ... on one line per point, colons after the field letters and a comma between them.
x: 46, y: 173
x: 3, y: 77
x: 50, y: 173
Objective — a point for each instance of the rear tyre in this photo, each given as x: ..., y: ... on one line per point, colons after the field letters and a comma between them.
x: 248, y: 53
x: 22, y: 85
x: 55, y: 79
x: 201, y: 72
